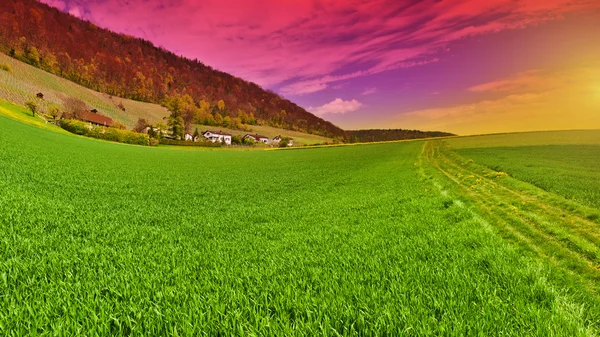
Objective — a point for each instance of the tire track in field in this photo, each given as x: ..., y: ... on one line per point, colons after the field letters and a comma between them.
x: 553, y: 230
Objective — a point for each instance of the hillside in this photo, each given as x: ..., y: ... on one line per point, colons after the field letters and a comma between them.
x: 23, y: 81
x: 127, y: 67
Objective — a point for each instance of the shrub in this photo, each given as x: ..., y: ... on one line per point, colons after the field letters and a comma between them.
x: 75, y: 126
x: 284, y: 142
x: 166, y: 141
x: 6, y: 67
x: 120, y: 126
x: 106, y: 133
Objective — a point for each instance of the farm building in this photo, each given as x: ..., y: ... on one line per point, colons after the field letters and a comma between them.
x: 96, y: 119
x: 220, y: 136
x: 277, y: 139
x: 257, y: 138
x: 190, y: 137
x: 39, y: 95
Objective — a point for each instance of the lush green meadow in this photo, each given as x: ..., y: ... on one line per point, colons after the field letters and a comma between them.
x: 98, y: 238
x: 566, y: 163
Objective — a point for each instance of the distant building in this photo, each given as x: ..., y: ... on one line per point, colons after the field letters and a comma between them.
x: 189, y: 137
x: 96, y: 119
x: 215, y: 136
x: 94, y: 111
x: 277, y: 139
x: 257, y: 138
x: 39, y: 95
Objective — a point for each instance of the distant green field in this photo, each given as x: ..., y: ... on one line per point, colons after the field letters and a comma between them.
x: 576, y: 137
x: 572, y: 171
x: 98, y: 238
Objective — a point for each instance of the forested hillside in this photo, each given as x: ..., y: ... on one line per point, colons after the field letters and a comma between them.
x: 378, y: 135
x: 133, y: 68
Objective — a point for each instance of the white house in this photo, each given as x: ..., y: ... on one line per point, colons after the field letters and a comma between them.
x: 215, y: 136
x: 258, y: 138
x: 188, y: 137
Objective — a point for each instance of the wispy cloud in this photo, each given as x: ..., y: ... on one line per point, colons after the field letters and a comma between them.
x: 337, y: 106
x: 369, y: 91
x: 300, y: 44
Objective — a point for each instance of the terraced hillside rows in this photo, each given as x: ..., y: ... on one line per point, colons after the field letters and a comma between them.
x: 99, y: 238
x: 24, y: 82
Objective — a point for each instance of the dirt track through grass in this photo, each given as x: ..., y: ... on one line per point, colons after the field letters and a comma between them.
x: 558, y: 231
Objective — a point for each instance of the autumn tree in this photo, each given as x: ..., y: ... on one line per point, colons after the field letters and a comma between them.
x: 140, y: 125
x: 54, y: 111
x: 32, y: 106
x: 221, y: 105
x: 218, y: 119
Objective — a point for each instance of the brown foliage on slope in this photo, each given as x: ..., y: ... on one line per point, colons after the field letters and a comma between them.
x: 133, y: 68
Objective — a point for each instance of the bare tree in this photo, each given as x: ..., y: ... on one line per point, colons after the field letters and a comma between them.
x: 140, y: 125
x: 74, y: 108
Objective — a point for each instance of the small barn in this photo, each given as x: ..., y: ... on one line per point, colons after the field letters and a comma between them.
x: 96, y: 119
x: 39, y: 95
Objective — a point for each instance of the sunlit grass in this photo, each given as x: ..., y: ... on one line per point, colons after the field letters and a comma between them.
x: 106, y: 239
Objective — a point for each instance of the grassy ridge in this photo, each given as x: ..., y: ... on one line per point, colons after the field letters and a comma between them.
x: 571, y: 171
x: 559, y: 233
x: 101, y: 238
x: 574, y: 137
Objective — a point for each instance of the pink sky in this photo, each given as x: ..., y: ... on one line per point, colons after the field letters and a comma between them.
x: 366, y: 63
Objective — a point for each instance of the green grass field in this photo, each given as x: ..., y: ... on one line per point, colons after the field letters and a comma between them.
x: 98, y: 238
x: 565, y: 163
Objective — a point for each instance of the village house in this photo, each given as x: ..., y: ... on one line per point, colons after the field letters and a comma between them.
x: 190, y: 137
x: 96, y: 119
x: 220, y: 136
x: 257, y: 138
x: 277, y: 139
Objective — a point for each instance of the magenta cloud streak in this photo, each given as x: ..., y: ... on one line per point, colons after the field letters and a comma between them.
x: 301, y: 47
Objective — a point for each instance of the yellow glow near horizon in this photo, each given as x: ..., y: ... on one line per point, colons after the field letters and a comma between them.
x: 532, y: 101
